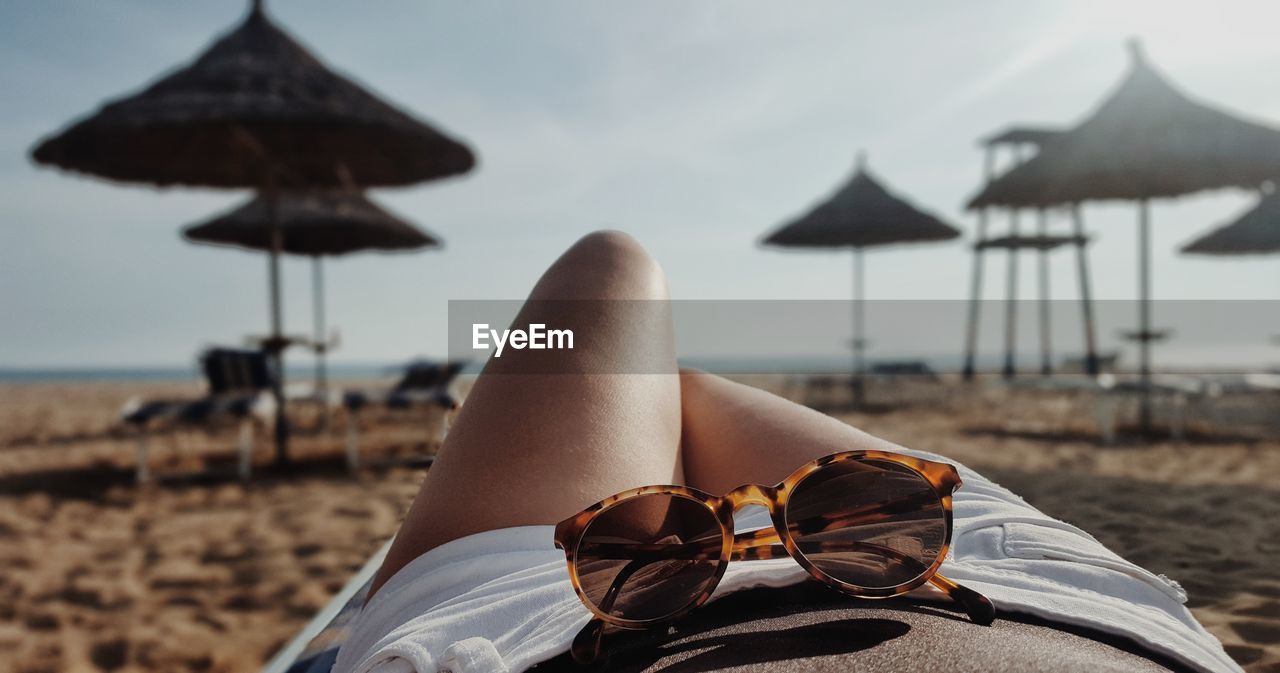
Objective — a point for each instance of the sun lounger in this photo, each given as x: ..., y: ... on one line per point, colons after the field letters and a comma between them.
x: 904, y: 370
x: 314, y: 648
x: 238, y: 381
x: 424, y: 384
x: 1172, y: 395
x: 1238, y: 403
x: 1078, y: 364
x: 819, y: 391
x: 894, y: 380
x: 1176, y: 398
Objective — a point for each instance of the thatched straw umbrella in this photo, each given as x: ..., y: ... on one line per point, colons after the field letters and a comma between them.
x: 313, y: 224
x: 861, y: 214
x: 256, y: 110
x: 1146, y: 140
x: 1256, y: 232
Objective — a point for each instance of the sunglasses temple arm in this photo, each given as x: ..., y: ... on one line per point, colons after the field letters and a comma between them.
x: 865, y: 514
x: 615, y: 587
x: 764, y: 544
x: 761, y: 539
x: 586, y: 645
x: 980, y: 608
x: 755, y: 546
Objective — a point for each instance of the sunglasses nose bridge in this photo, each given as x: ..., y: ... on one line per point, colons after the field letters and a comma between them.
x: 751, y: 494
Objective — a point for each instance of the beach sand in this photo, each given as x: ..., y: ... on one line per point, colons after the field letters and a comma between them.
x: 201, y: 573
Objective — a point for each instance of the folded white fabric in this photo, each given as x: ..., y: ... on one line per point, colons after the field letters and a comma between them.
x: 501, y: 601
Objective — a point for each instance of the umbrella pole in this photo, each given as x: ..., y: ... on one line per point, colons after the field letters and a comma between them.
x: 276, y: 344
x: 1011, y: 301
x: 859, y: 361
x: 1086, y: 298
x: 1046, y: 356
x: 321, y: 346
x: 975, y: 291
x: 975, y: 299
x: 1144, y: 313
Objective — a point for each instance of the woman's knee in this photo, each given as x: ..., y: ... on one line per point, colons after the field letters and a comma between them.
x: 604, y: 265
x: 609, y: 246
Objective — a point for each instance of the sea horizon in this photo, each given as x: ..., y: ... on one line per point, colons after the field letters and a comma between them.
x: 764, y: 364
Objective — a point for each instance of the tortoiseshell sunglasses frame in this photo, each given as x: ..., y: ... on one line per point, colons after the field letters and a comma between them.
x: 763, y: 543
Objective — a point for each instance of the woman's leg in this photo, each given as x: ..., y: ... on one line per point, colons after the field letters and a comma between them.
x: 534, y: 448
x: 735, y: 434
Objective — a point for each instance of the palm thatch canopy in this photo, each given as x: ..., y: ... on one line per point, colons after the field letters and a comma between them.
x: 1146, y: 140
x: 313, y: 223
x: 861, y: 214
x: 255, y: 101
x: 1257, y: 232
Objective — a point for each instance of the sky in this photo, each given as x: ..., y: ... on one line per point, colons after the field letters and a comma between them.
x: 695, y: 126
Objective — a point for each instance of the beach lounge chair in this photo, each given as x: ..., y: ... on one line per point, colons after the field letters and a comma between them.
x: 424, y: 384
x: 820, y: 391
x: 909, y: 370
x: 1108, y: 400
x: 894, y: 380
x: 237, y: 380
x: 1104, y: 399
x: 1078, y: 364
x: 1237, y: 403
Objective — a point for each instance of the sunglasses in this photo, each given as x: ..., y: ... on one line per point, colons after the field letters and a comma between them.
x: 870, y: 524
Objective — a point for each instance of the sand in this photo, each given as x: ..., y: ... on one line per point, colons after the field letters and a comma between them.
x: 200, y: 573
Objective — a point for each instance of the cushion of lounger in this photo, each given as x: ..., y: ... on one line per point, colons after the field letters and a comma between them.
x: 355, y: 399
x: 200, y: 411
x: 811, y: 628
x: 437, y: 396
x: 145, y: 411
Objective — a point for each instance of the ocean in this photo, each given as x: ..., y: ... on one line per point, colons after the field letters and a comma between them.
x: 942, y: 364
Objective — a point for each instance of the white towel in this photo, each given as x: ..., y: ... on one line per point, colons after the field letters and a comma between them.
x: 501, y: 601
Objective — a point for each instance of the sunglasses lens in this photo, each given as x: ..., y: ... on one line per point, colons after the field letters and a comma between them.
x: 649, y: 556
x: 870, y: 523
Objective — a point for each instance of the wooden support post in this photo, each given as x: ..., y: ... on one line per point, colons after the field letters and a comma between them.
x: 1144, y: 315
x: 143, y: 472
x: 245, y: 466
x: 353, y: 440
x: 1046, y: 343
x: 1011, y: 303
x: 1086, y: 297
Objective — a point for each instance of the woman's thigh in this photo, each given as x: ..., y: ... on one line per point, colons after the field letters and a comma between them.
x: 535, y: 443
x: 736, y: 434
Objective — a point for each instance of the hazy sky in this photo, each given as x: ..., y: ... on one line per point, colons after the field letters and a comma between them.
x: 696, y: 126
